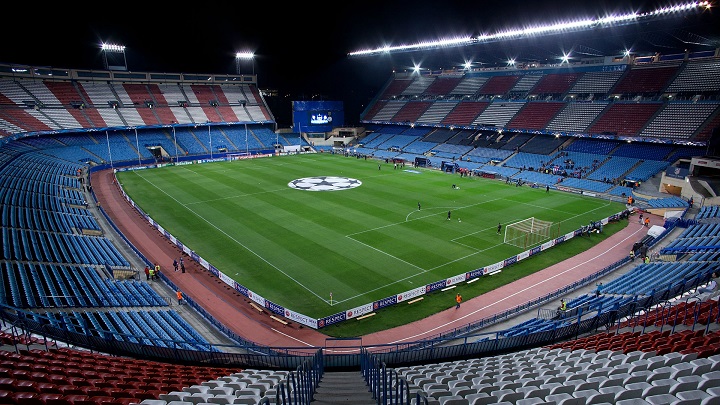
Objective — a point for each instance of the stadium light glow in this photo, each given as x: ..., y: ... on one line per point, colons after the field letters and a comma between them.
x: 244, y: 55
x: 578, y: 25
x: 112, y: 48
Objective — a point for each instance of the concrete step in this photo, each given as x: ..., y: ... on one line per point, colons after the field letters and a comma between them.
x: 346, y: 387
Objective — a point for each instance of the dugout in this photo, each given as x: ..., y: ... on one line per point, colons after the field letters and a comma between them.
x: 484, y: 173
x: 422, y: 162
x: 449, y: 167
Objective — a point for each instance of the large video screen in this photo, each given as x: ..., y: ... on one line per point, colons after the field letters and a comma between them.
x: 317, y: 116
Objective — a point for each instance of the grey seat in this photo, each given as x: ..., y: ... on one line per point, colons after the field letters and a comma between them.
x: 254, y: 392
x: 558, y: 397
x: 563, y: 389
x: 481, y: 398
x: 454, y: 400
x: 662, y: 399
x: 196, y: 389
x: 571, y: 401
x: 628, y: 394
x: 511, y: 397
x: 222, y: 399
x: 656, y: 390
x: 462, y: 391
x: 709, y: 381
x: 460, y: 383
x: 237, y: 385
x: 498, y: 393
x: 698, y: 395
x: 588, y: 385
x: 611, y: 390
x: 635, y: 378
x: 657, y: 374
x: 600, y: 398
x: 683, y: 386
x: 531, y: 401
x: 221, y: 391
x: 213, y: 383
x: 584, y: 393
x: 439, y: 392
x: 247, y: 400
x: 198, y: 397
x: 632, y: 401
x: 681, y: 369
x: 174, y: 396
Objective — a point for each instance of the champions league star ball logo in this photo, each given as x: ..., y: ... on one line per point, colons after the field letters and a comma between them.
x: 324, y: 183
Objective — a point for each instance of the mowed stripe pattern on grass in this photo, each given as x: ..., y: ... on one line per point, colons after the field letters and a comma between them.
x: 294, y: 247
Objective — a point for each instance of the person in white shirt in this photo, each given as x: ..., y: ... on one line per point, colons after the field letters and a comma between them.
x: 710, y: 287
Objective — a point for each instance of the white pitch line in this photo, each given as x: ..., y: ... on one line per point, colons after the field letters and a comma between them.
x: 445, y: 325
x: 293, y: 338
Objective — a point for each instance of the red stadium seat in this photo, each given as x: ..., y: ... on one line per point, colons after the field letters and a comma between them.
x: 27, y: 398
x: 48, y: 387
x: 71, y: 390
x: 45, y: 396
x: 73, y: 399
x: 26, y: 386
x: 58, y: 401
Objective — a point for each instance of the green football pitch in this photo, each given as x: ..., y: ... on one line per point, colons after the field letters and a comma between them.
x: 384, y: 232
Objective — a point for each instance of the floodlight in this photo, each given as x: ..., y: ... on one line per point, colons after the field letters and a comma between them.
x: 244, y: 55
x: 112, y: 48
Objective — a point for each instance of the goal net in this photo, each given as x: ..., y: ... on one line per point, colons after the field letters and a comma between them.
x: 528, y: 232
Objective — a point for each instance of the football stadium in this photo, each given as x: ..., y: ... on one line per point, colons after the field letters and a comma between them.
x: 531, y: 231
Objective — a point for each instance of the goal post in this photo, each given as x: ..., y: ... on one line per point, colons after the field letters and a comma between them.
x: 528, y: 232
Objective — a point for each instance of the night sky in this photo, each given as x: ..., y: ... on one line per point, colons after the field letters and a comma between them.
x: 301, y: 50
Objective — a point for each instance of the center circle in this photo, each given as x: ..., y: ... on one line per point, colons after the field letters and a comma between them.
x: 324, y: 183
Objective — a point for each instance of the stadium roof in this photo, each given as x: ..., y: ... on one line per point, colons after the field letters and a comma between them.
x: 302, y: 49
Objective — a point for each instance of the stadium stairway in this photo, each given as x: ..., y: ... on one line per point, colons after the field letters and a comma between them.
x: 343, y: 387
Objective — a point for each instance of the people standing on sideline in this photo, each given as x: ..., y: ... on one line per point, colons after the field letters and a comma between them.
x: 182, y: 265
x: 547, y: 188
x: 418, y: 205
x: 175, y: 264
x: 499, y: 228
x: 449, y: 213
x: 647, y: 222
x: 458, y: 300
x: 179, y: 297
x: 147, y: 273
x: 157, y: 271
x: 640, y: 219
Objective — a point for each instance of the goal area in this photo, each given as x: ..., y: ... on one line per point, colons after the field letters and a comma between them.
x: 528, y: 232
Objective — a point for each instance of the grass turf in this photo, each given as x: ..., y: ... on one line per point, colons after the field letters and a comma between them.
x: 295, y: 247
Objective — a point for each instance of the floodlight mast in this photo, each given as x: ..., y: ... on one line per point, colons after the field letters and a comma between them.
x: 113, y: 48
x: 244, y: 56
